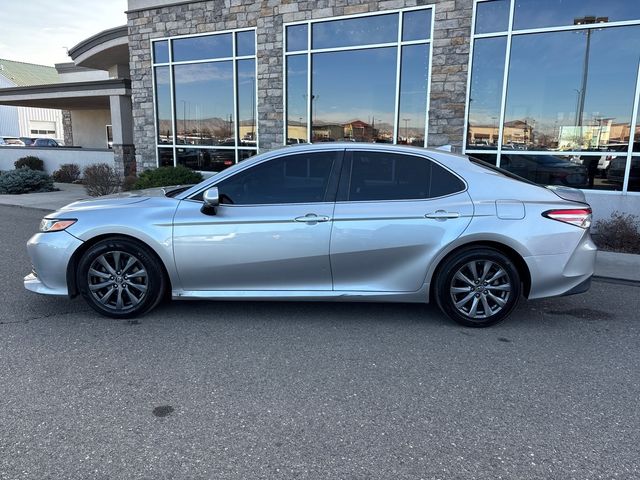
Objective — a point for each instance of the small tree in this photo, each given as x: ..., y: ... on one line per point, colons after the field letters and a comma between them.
x: 100, y: 179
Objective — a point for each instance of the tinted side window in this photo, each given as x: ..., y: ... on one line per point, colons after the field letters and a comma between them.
x: 444, y: 182
x: 301, y: 178
x: 389, y: 176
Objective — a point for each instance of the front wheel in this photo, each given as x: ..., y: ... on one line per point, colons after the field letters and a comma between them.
x: 478, y: 287
x: 120, y: 278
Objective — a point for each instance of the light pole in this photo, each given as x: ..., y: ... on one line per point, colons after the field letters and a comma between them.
x: 586, y: 20
x: 406, y: 129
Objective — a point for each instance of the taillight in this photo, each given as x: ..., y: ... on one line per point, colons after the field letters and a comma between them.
x: 580, y: 217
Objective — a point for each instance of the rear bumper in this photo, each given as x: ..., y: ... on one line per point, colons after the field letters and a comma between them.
x: 580, y: 288
x: 563, y: 274
x: 50, y: 254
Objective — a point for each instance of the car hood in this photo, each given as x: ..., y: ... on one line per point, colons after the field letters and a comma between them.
x: 117, y: 199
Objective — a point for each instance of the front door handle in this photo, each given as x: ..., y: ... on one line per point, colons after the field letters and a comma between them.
x: 312, y: 218
x: 442, y: 215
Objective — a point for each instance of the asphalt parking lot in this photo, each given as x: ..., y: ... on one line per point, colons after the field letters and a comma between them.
x: 316, y: 390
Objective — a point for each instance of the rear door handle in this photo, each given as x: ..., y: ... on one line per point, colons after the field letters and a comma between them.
x: 442, y: 215
x: 312, y: 218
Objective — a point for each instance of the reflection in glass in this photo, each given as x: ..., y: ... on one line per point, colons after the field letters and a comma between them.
x: 297, y: 38
x: 636, y: 138
x: 356, y: 31
x: 245, y: 43
x: 354, y: 95
x: 413, y: 94
x: 297, y: 99
x: 247, y: 101
x: 416, y: 25
x: 634, y: 175
x: 491, y: 158
x: 205, y: 159
x: 161, y: 52
x: 486, y: 92
x: 165, y: 157
x: 546, y: 169
x: 492, y: 16
x: 551, y: 13
x: 616, y: 172
x: 244, y: 154
x: 202, y: 48
x: 204, y: 103
x: 572, y: 90
x: 163, y: 105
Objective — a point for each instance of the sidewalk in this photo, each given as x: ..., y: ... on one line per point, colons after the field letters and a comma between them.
x: 47, y: 201
x: 619, y: 266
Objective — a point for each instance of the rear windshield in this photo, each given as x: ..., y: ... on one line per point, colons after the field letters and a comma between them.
x: 502, y: 171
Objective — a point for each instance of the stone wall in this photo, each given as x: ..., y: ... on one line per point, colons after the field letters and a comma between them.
x: 450, y: 45
x: 67, y: 128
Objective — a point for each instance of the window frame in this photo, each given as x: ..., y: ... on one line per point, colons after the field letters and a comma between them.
x: 398, y: 44
x: 498, y: 151
x: 344, y: 185
x: 235, y: 59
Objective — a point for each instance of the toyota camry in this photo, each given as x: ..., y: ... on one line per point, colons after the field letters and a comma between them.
x: 342, y: 222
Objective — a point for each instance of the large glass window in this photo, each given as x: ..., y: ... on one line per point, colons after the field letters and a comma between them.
x: 485, y: 94
x: 163, y: 106
x: 565, y: 114
x: 367, y: 82
x: 492, y: 16
x: 205, y: 97
x: 555, y: 13
x: 572, y: 90
x: 360, y: 105
x: 352, y: 32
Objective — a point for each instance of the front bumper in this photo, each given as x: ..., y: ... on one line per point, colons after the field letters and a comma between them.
x: 50, y: 254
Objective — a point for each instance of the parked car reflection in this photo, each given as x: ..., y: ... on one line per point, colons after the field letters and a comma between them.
x: 547, y: 170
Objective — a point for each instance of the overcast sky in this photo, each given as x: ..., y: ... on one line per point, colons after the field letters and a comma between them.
x: 37, y: 31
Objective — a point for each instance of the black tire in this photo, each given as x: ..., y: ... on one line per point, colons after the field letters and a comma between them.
x: 493, y: 299
x: 144, y: 281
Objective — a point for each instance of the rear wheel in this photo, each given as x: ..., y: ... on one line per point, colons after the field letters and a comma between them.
x: 478, y: 287
x: 120, y: 278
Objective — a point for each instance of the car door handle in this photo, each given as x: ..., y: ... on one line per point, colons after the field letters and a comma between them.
x: 312, y: 218
x: 442, y: 215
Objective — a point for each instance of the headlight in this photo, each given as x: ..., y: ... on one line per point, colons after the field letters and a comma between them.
x: 56, y: 224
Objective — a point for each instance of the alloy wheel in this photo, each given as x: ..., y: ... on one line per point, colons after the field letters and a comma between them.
x: 118, y: 280
x: 480, y: 289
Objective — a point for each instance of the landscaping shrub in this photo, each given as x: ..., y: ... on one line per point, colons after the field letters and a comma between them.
x: 34, y: 163
x: 129, y: 183
x: 167, y: 176
x: 621, y: 233
x: 25, y: 180
x: 67, y: 173
x: 100, y: 179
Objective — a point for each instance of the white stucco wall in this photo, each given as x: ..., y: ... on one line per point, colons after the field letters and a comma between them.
x: 604, y: 204
x: 54, y: 157
x: 89, y: 128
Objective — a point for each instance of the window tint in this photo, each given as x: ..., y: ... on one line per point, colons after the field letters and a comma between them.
x: 388, y: 176
x: 301, y: 178
x: 443, y: 182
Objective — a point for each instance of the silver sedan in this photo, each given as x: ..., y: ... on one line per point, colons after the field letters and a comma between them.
x: 345, y: 222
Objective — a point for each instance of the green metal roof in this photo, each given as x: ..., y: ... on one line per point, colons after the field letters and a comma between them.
x: 26, y: 74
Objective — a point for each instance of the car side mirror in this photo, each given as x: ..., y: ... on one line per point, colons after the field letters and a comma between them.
x: 211, y: 200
